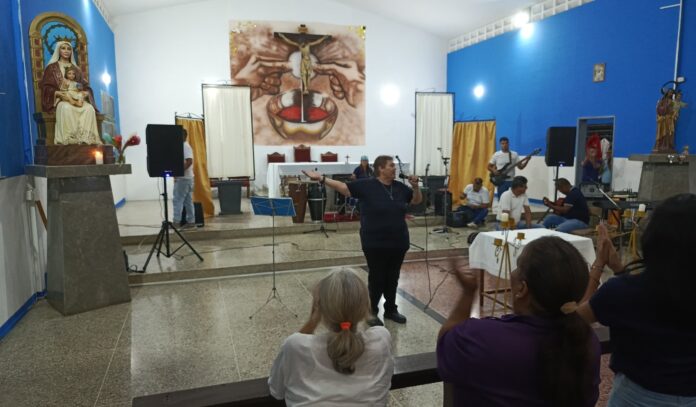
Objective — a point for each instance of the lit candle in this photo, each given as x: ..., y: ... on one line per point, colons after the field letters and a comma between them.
x: 98, y: 157
x: 641, y: 208
x: 504, y: 217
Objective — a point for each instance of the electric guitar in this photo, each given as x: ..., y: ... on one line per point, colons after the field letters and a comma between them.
x: 497, y: 178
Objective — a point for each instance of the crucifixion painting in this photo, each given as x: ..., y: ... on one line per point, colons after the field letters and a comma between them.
x: 307, y: 86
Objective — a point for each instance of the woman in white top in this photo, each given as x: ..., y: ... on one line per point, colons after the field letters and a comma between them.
x: 342, y: 366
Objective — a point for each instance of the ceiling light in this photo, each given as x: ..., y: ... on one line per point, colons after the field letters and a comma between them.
x: 520, y: 19
x: 479, y: 91
x: 390, y: 94
x: 106, y: 78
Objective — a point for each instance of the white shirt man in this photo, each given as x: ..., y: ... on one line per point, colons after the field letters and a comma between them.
x: 478, y: 201
x: 503, y: 157
x: 183, y: 191
x: 514, y: 202
x: 476, y: 198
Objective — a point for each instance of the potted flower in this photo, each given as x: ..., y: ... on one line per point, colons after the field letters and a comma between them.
x: 120, y: 146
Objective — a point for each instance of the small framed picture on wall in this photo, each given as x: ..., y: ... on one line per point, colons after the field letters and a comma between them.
x: 599, y: 70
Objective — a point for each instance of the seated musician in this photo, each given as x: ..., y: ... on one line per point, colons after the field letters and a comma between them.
x: 570, y: 214
x: 364, y: 170
x: 478, y: 202
x: 514, y: 201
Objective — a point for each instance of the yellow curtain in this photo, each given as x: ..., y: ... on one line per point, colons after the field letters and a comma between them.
x: 473, y: 144
x: 201, y: 182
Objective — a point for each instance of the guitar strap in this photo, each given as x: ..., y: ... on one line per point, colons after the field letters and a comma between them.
x: 510, y: 161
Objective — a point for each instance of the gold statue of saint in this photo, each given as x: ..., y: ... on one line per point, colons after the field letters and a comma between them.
x: 306, y: 59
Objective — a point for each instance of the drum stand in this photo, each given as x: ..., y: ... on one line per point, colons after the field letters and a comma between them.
x: 322, y: 225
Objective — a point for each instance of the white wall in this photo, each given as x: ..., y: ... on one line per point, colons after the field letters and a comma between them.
x: 164, y: 55
x: 22, y: 247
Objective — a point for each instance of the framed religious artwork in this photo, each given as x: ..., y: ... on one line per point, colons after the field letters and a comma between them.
x: 599, y: 70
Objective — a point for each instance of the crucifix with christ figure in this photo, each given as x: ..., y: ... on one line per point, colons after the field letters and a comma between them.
x: 304, y: 42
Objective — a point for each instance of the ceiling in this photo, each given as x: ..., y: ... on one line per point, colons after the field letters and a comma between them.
x: 444, y: 18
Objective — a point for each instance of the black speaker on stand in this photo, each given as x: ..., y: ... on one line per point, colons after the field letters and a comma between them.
x: 560, y: 149
x: 165, y: 158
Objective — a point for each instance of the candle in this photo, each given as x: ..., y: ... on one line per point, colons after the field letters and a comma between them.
x: 641, y: 208
x: 504, y: 217
x: 98, y: 157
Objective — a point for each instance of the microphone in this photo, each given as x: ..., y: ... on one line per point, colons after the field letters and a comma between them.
x: 401, y: 173
x: 439, y: 149
x: 427, y: 167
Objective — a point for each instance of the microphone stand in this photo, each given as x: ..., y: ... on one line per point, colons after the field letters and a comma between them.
x: 444, y: 229
x: 404, y: 177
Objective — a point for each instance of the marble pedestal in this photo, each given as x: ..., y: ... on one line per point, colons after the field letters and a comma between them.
x: 86, y: 267
x: 661, y: 179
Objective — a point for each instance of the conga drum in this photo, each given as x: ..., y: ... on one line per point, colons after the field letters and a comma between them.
x: 317, y: 201
x: 298, y: 193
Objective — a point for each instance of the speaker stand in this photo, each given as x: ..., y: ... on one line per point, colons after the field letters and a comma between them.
x: 163, y: 236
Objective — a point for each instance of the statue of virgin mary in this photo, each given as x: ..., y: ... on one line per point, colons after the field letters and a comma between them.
x: 74, y: 124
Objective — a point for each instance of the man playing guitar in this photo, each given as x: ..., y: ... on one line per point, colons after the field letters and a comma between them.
x: 503, y: 163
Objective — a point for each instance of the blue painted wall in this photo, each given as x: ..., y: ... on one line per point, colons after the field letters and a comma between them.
x: 11, y: 146
x: 546, y: 79
x: 102, y: 59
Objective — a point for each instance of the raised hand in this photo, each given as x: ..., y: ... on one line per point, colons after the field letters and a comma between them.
x: 263, y: 76
x: 413, y: 180
x: 313, y: 175
x: 347, y: 82
x: 467, y: 279
x: 606, y: 253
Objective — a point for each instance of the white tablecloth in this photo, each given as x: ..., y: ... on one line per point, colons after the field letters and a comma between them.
x: 276, y: 170
x: 482, y: 250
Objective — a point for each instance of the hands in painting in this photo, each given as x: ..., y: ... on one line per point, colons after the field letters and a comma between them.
x: 347, y: 82
x: 263, y: 76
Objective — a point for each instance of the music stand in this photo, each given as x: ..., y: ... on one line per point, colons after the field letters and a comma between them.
x: 272, y: 207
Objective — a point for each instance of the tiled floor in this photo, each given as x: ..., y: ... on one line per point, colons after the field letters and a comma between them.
x: 175, y: 336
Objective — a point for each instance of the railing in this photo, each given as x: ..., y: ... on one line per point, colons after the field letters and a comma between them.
x: 409, y: 371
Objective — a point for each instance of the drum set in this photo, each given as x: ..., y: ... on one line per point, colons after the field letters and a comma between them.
x: 314, y: 195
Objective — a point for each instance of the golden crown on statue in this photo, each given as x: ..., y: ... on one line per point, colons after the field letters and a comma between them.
x: 65, y: 39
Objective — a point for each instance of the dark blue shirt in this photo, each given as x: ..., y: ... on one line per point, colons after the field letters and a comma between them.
x: 655, y: 354
x: 589, y: 172
x: 579, y: 211
x: 382, y: 213
x: 360, y: 173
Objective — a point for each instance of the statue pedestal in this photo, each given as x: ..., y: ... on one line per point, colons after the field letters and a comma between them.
x: 86, y: 268
x: 72, y: 154
x: 661, y: 179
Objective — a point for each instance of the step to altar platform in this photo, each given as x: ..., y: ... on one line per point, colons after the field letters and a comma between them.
x: 73, y: 154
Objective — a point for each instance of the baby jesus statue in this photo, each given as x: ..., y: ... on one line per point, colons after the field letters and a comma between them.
x: 71, y: 91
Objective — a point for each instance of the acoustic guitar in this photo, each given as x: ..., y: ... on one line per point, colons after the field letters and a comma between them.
x: 497, y: 178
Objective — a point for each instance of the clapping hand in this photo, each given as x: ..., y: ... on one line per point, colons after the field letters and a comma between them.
x: 313, y: 175
x: 468, y: 280
x: 606, y: 253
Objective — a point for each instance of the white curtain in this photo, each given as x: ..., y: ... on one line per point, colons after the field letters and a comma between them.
x: 434, y: 124
x: 228, y: 131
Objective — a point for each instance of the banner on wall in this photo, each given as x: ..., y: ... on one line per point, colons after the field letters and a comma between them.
x: 307, y: 82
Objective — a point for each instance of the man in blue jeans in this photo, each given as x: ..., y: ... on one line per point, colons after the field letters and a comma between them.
x: 183, y: 190
x: 573, y: 214
x: 477, y: 203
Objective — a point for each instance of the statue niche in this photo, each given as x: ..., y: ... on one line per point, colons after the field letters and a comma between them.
x: 65, y: 112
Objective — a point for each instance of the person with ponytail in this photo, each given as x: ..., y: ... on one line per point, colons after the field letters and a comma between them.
x: 343, y: 366
x: 648, y: 307
x: 543, y: 354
